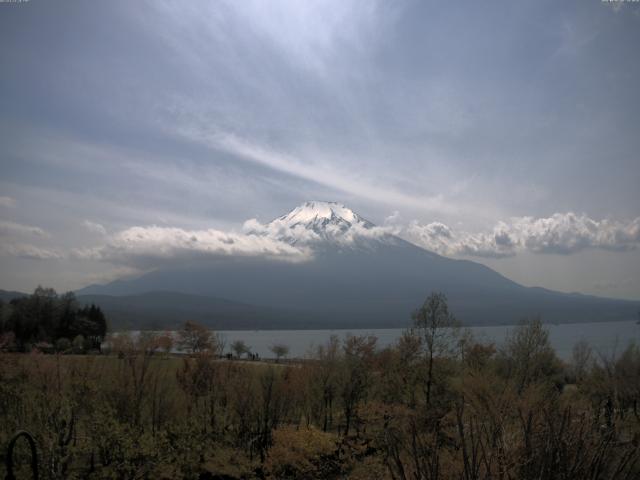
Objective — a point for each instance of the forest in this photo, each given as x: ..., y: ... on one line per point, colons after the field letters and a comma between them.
x: 50, y: 322
x: 438, y: 404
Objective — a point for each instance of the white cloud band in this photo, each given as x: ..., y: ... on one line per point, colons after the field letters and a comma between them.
x: 145, y: 247
x: 561, y: 233
x: 149, y: 247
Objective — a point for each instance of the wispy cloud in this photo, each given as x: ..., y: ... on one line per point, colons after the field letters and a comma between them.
x: 8, y: 228
x: 94, y: 227
x: 7, y: 202
x: 15, y: 241
x: 327, y: 174
x: 25, y: 250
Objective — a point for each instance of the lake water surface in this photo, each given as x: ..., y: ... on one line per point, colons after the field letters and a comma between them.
x: 605, y: 338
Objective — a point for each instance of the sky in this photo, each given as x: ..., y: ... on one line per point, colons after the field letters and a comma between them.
x: 500, y: 132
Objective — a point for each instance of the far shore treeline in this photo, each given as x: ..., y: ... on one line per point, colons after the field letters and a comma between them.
x: 50, y: 322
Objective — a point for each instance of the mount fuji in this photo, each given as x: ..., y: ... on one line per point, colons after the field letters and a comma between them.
x: 355, y: 275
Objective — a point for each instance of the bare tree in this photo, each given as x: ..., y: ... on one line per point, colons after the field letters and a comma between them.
x: 581, y: 359
x: 528, y: 354
x: 438, y: 330
x: 165, y: 342
x: 196, y: 338
x: 239, y: 348
x: 271, y: 409
x: 279, y: 350
x: 357, y: 375
x: 327, y: 373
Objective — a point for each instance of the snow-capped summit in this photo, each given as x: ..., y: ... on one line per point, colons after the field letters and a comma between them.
x: 316, y: 222
x: 317, y: 216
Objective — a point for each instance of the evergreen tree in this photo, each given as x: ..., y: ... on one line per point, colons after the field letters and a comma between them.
x: 46, y: 316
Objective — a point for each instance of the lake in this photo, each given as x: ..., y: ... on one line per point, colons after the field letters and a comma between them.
x: 605, y: 338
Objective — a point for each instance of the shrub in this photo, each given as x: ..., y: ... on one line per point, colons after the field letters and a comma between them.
x: 303, y: 453
x: 78, y: 344
x: 63, y: 345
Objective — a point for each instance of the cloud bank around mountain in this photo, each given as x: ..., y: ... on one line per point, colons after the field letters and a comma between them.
x: 149, y: 247
x: 352, y: 230
x: 561, y: 233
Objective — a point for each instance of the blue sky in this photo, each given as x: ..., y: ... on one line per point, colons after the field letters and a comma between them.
x: 502, y: 132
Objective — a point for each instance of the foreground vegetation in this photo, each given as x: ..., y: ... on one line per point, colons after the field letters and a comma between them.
x: 437, y: 405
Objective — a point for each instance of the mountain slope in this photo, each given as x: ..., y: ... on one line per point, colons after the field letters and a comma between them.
x: 162, y: 309
x: 362, y: 276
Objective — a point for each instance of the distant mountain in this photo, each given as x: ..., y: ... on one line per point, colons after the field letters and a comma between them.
x: 8, y: 295
x: 359, y: 275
